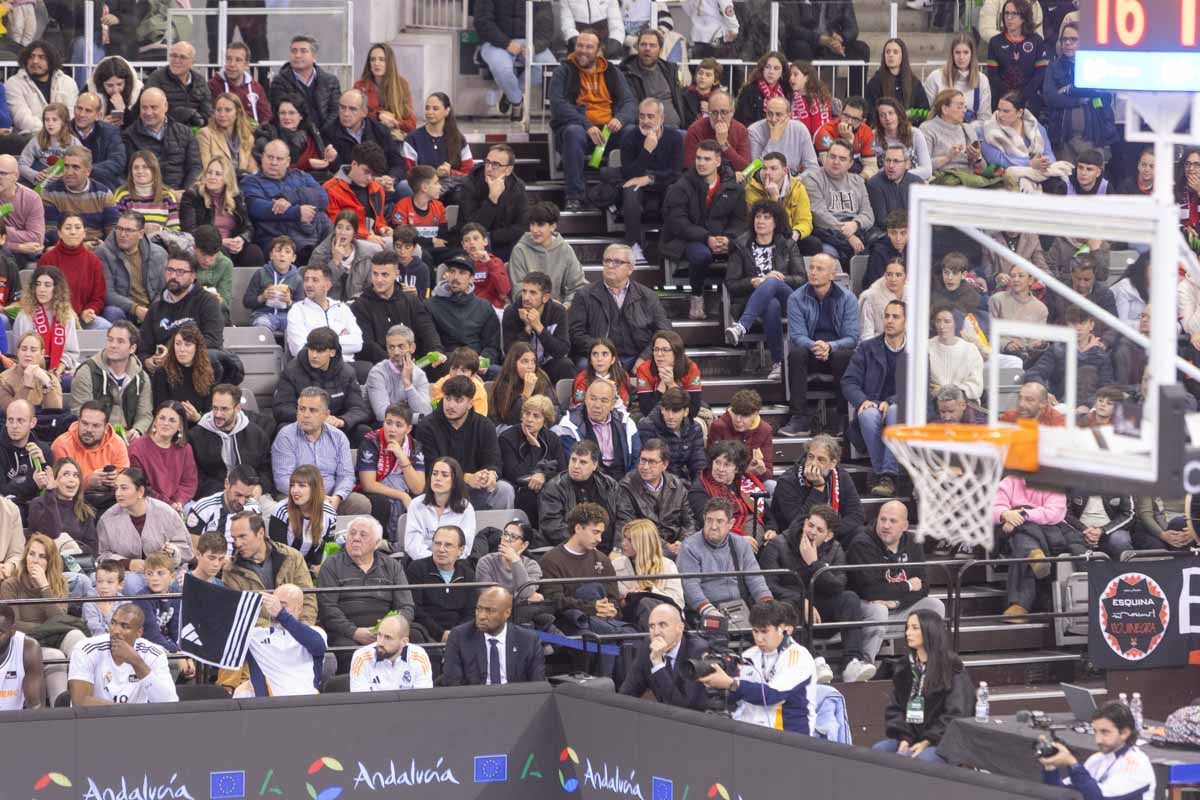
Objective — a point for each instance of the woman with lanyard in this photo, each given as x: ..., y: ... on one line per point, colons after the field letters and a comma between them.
x: 933, y: 690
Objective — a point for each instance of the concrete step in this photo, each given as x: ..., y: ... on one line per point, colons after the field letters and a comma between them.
x: 546, y: 191
x: 873, y: 17
x: 922, y: 46
x: 581, y: 223
x: 988, y: 637
x: 721, y: 389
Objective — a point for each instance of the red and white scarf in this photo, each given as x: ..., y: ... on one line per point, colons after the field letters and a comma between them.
x: 387, y: 459
x: 53, y: 333
x: 802, y: 111
x: 768, y: 91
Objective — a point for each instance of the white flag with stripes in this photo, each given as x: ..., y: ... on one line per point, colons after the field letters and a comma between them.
x: 215, y: 622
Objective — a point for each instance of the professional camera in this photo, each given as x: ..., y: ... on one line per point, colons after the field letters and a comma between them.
x: 1044, y: 746
x: 716, y: 631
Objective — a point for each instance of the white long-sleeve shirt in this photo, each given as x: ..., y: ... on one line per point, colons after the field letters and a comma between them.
x: 423, y: 521
x: 958, y: 365
x: 307, y: 315
x: 580, y: 13
x: 711, y: 19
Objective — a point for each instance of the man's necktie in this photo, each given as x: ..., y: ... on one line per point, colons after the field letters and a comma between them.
x: 670, y: 666
x: 494, y: 663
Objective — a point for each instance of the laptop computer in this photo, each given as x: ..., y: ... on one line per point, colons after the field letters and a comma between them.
x: 1080, y: 700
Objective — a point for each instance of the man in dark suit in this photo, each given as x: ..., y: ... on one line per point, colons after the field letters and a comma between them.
x: 656, y: 665
x: 492, y: 651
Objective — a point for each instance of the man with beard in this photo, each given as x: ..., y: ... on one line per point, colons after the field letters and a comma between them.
x: 651, y: 160
x: 26, y: 460
x: 491, y: 650
x: 541, y: 322
x: 100, y: 453
x: 1117, y: 769
x: 225, y: 438
x: 398, y: 379
x: 383, y: 305
x: 184, y: 300
x: 391, y: 663
x: 214, y: 513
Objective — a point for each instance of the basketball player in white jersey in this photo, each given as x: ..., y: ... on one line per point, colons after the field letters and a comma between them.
x: 391, y: 663
x: 285, y: 657
x: 120, y: 666
x: 22, y: 684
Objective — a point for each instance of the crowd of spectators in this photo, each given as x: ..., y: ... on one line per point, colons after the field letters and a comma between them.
x: 424, y: 360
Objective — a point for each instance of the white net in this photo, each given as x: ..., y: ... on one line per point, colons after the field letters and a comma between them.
x: 955, y: 484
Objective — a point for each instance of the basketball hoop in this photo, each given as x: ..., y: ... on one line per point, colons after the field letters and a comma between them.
x: 956, y: 470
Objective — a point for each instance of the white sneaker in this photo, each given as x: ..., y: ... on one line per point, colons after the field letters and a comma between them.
x: 858, y: 671
x: 734, y: 334
x: 776, y: 373
x: 639, y: 257
x: 918, y: 5
x: 696, y: 309
x: 824, y: 673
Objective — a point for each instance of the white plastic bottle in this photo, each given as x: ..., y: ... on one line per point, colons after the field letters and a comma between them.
x: 981, y: 702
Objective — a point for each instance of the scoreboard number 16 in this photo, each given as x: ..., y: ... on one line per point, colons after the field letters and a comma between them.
x: 1127, y: 19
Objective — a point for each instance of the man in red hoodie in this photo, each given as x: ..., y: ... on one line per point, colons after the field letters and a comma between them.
x: 236, y: 79
x: 353, y: 188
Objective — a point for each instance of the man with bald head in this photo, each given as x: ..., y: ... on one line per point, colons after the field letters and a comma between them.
x: 187, y: 92
x: 26, y: 460
x: 286, y: 202
x: 102, y: 138
x: 26, y: 223
x: 719, y: 125
x: 894, y: 592
x: 353, y: 127
x: 120, y: 666
x: 285, y: 656
x: 171, y: 141
x: 391, y: 662
x: 492, y: 650
x: 655, y: 668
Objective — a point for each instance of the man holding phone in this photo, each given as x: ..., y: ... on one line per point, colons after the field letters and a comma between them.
x: 99, y: 451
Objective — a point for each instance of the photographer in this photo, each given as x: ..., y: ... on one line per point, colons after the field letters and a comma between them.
x: 1119, y: 771
x: 656, y: 665
x: 775, y: 686
x: 927, y: 693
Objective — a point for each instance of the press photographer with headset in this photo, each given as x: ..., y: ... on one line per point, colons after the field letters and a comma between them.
x: 1119, y: 771
x: 657, y: 665
x: 775, y: 687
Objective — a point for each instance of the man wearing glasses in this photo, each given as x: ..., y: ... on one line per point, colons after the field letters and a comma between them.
x: 849, y: 128
x: 652, y: 492
x: 618, y: 308
x: 720, y: 126
x: 184, y: 300
x: 494, y: 197
x: 353, y: 128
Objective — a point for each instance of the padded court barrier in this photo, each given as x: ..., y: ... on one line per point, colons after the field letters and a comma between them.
x: 520, y: 741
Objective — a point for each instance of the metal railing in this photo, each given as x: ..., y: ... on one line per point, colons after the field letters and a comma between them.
x: 345, y: 69
x: 438, y: 15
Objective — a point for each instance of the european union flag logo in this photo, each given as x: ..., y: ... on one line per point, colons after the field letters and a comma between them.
x: 227, y: 785
x: 491, y: 769
x: 662, y: 789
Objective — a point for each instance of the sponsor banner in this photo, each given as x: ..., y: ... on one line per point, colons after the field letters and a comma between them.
x: 1144, y: 614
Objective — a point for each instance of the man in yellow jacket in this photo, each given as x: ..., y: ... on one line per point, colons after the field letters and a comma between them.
x: 773, y: 182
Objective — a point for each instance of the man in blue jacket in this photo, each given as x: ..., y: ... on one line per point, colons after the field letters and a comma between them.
x: 286, y: 202
x: 870, y: 387
x: 103, y: 139
x: 822, y: 334
x: 587, y: 97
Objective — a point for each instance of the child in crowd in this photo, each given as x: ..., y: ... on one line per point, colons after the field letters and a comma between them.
x: 425, y: 212
x: 491, y: 277
x: 463, y: 361
x: 110, y: 580
x: 414, y: 272
x: 274, y: 288
x: 216, y: 268
x: 211, y: 550
x: 707, y: 81
x: 885, y: 248
x: 162, y: 616
x: 47, y: 147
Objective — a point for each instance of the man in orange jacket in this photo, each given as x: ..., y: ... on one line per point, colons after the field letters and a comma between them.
x: 98, y: 450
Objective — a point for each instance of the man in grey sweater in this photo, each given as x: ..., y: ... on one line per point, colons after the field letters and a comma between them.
x: 841, y: 207
x: 399, y: 379
x: 716, y: 551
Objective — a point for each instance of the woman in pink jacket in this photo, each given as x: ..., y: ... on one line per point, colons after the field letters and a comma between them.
x: 1029, y: 524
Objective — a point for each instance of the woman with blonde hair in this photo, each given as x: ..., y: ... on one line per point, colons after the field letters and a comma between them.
x: 40, y: 576
x: 28, y: 379
x: 389, y: 97
x: 305, y: 520
x: 146, y: 193
x: 641, y: 554
x: 215, y: 199
x: 961, y: 71
x: 229, y: 134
